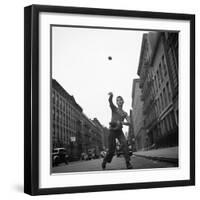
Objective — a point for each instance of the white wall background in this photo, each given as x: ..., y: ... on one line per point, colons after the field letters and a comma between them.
x: 11, y: 101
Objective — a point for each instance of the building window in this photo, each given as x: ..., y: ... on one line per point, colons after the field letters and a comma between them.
x: 158, y: 78
x: 159, y: 106
x: 60, y: 117
x: 56, y: 99
x: 53, y: 129
x: 165, y: 97
x: 53, y: 113
x: 63, y: 117
x: 163, y: 126
x: 160, y: 71
x: 155, y: 83
x: 53, y: 97
x: 173, y: 59
x: 168, y: 92
x: 60, y: 103
x: 168, y: 122
x: 164, y: 65
x: 156, y: 106
x: 153, y: 91
x: 161, y: 100
x: 56, y: 115
x: 63, y: 105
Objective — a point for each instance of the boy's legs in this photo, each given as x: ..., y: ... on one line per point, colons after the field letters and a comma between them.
x: 125, y: 150
x: 111, y: 148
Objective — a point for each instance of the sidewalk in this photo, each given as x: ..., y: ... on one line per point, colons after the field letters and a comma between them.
x: 166, y: 154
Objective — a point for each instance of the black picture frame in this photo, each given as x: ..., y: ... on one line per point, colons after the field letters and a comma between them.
x: 31, y: 98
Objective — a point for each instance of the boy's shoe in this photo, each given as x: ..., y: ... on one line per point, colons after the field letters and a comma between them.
x: 128, y: 165
x: 103, y: 165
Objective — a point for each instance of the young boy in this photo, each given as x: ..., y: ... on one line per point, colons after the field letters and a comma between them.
x: 115, y: 131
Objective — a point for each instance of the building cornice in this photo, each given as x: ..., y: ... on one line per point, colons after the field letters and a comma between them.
x: 144, y: 40
x: 65, y: 94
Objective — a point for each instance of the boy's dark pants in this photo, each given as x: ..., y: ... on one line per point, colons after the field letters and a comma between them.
x: 112, y: 145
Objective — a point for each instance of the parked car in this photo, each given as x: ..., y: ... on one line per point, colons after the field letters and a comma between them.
x: 84, y: 156
x: 59, y: 155
x: 91, y: 154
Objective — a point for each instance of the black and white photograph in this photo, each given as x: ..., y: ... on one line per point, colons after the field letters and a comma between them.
x: 109, y: 98
x: 99, y: 100
x: 114, y: 99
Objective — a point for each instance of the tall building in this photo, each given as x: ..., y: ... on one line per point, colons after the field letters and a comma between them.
x: 172, y: 54
x: 157, y: 66
x: 71, y: 128
x: 66, y: 120
x: 137, y: 117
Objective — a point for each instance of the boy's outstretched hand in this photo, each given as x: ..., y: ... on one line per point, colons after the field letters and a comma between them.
x: 110, y: 94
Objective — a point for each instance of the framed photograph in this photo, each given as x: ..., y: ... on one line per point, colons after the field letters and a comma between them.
x: 109, y: 99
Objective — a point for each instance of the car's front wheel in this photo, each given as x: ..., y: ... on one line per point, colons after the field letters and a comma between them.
x: 66, y: 161
x: 56, y: 161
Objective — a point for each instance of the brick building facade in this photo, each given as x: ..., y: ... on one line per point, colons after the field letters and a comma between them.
x: 158, y: 71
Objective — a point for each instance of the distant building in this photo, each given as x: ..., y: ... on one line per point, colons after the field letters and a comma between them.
x: 91, y: 136
x: 71, y: 128
x: 101, y: 134
x: 137, y: 117
x: 158, y: 71
x: 105, y: 138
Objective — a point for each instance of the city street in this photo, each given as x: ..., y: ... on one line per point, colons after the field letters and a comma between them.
x: 117, y: 163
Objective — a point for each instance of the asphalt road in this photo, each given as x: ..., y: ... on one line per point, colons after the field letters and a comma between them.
x: 118, y: 163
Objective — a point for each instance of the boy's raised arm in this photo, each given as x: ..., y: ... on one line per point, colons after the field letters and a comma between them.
x: 110, y: 100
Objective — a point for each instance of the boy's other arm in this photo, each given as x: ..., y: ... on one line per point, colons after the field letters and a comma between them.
x: 128, y: 121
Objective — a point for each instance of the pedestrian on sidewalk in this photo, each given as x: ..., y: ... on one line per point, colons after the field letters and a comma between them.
x: 115, y: 131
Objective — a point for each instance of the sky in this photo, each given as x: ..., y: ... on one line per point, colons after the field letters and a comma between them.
x: 80, y: 64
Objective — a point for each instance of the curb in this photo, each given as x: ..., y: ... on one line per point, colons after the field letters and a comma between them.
x: 164, y: 159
